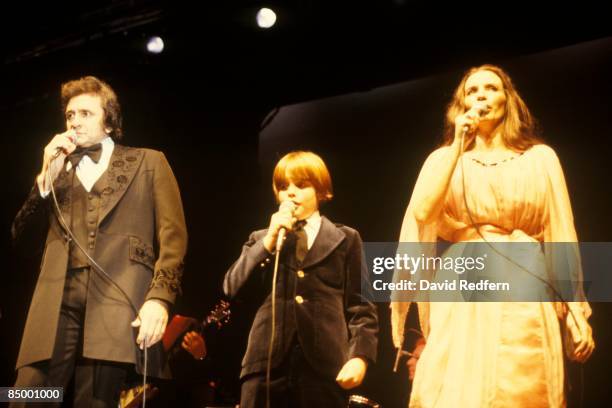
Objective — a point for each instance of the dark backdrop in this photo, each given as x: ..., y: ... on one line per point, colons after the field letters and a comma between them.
x: 378, y: 79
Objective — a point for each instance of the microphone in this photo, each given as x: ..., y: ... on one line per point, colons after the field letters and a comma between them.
x: 282, y: 232
x: 73, y: 138
x: 480, y: 108
x: 58, y: 151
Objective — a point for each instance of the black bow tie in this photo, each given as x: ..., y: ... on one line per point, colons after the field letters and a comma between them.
x: 94, y: 152
x: 299, y: 225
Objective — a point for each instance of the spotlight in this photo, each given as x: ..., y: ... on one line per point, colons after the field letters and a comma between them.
x: 155, y: 45
x: 266, y: 18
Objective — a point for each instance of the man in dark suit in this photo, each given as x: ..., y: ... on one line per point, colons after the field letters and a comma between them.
x: 326, y: 331
x: 119, y: 208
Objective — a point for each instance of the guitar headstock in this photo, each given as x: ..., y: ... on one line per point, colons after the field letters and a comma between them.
x: 219, y: 316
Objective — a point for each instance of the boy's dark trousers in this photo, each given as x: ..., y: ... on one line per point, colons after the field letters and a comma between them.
x: 293, y: 384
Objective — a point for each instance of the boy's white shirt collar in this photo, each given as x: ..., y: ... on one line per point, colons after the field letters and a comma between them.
x: 312, y: 227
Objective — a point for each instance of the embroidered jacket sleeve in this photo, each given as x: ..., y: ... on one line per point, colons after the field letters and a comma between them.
x: 171, y: 234
x: 33, y: 204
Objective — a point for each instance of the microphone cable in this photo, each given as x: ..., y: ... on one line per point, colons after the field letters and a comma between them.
x: 272, y: 329
x: 279, y: 244
x: 476, y: 227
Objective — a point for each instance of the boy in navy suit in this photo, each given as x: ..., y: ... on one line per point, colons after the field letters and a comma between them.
x: 326, y: 332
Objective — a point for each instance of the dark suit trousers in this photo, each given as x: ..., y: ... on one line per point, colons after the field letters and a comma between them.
x: 293, y: 384
x: 96, y: 383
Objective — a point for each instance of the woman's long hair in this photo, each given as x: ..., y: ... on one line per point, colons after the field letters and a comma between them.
x: 518, y: 126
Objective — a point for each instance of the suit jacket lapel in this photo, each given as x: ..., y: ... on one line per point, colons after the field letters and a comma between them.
x: 328, y: 239
x: 121, y: 170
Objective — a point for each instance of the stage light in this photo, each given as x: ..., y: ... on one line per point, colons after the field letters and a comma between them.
x: 266, y: 18
x: 155, y: 45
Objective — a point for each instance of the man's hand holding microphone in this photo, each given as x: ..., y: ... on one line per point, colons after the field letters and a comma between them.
x: 54, y: 155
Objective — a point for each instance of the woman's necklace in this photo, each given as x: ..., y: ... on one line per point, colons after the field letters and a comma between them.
x: 507, y: 159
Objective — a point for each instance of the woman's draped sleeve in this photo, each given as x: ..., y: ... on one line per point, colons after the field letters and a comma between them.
x: 561, y: 242
x: 420, y: 238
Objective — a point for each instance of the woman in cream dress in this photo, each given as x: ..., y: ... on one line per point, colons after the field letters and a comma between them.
x: 503, y: 354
